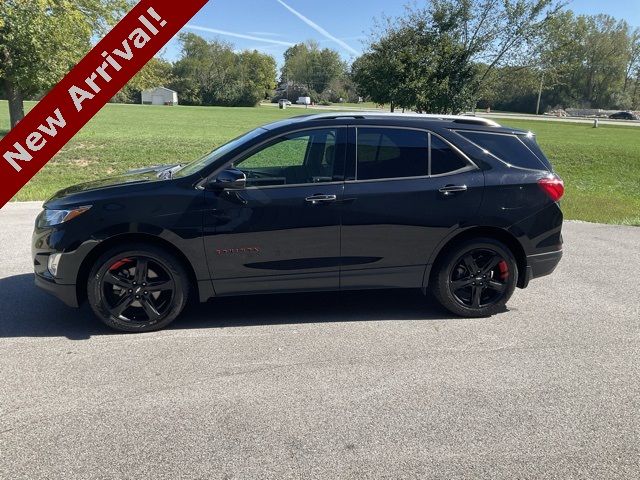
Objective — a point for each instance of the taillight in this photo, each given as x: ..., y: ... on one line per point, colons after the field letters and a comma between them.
x: 553, y: 187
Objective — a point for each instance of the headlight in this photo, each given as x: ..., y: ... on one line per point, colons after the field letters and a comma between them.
x: 49, y: 218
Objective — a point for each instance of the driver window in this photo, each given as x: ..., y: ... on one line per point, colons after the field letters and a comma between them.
x: 297, y: 158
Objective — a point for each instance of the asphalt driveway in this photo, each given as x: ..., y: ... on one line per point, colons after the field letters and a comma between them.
x: 352, y: 385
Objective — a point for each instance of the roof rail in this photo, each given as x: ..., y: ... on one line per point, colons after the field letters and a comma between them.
x: 468, y: 119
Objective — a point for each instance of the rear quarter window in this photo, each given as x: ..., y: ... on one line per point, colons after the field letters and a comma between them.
x: 518, y: 150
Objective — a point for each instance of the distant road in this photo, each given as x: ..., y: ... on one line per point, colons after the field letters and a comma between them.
x: 514, y: 116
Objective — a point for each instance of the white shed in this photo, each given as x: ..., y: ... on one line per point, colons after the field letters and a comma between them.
x: 159, y: 96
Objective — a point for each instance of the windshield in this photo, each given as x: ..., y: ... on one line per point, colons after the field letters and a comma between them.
x: 218, y: 153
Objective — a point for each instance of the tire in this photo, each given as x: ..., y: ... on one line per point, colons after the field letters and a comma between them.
x: 481, y: 294
x: 137, y: 288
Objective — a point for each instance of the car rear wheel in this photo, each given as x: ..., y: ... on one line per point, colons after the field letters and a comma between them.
x: 138, y: 288
x: 476, y: 278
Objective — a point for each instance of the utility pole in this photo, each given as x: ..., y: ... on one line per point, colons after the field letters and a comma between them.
x: 540, y: 94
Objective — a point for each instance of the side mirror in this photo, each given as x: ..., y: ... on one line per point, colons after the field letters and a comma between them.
x: 230, y: 179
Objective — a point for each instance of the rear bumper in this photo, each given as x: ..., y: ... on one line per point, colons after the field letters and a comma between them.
x: 66, y: 293
x: 541, y: 264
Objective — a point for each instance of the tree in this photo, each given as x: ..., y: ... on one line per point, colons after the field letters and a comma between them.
x: 341, y: 88
x: 257, y: 74
x: 590, y: 60
x: 40, y: 40
x: 200, y: 68
x: 438, y: 58
x: 156, y: 73
x: 211, y: 73
x: 314, y: 69
x: 378, y: 74
x: 419, y: 63
x: 633, y: 59
x: 513, y: 89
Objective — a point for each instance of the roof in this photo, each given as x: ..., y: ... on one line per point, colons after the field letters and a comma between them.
x: 415, y: 120
x: 159, y: 88
x: 467, y: 119
x: 398, y: 119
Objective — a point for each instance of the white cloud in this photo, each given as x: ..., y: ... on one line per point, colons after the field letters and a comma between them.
x: 238, y: 35
x: 319, y: 29
x: 266, y: 34
x: 344, y: 39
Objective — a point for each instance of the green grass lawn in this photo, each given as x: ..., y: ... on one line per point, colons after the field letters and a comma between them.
x: 601, y: 167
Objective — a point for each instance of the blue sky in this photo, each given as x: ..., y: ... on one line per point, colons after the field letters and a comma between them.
x: 339, y: 24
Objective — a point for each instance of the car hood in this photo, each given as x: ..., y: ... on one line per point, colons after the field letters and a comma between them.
x: 138, y: 176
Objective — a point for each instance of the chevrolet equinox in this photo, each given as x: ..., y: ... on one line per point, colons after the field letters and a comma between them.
x: 455, y: 205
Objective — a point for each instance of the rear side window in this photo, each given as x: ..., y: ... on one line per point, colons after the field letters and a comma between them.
x: 391, y: 153
x: 443, y: 158
x: 510, y: 149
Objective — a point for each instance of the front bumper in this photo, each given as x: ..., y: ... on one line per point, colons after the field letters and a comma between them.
x: 46, y: 242
x: 541, y: 264
x: 66, y: 293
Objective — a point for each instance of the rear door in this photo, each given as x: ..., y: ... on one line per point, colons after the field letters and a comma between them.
x: 281, y: 233
x: 406, y: 190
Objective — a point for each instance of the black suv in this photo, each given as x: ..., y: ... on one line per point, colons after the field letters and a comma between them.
x: 456, y: 205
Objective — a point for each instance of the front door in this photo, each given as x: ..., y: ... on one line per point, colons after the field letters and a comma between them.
x: 281, y: 233
x: 406, y: 190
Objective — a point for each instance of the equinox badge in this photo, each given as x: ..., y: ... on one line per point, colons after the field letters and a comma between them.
x: 228, y: 251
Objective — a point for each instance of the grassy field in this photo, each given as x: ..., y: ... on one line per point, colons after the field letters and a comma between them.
x: 601, y: 167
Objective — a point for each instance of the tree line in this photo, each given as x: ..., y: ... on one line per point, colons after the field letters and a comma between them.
x: 208, y: 73
x: 214, y: 73
x: 522, y: 55
x: 445, y: 56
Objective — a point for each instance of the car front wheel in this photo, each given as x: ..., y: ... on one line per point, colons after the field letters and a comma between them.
x: 138, y: 289
x: 476, y: 278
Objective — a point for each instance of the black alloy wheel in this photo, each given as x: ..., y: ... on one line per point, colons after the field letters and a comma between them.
x: 475, y: 279
x: 138, y: 290
x: 480, y: 278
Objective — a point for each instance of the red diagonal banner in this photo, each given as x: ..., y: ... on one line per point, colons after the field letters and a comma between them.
x: 88, y: 87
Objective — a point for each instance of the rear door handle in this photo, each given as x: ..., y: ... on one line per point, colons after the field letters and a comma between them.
x: 449, y: 190
x: 319, y: 198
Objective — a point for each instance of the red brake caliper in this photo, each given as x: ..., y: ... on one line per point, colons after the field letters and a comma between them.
x: 119, y: 264
x: 504, y: 270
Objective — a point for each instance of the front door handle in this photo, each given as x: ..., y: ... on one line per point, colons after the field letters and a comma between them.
x: 449, y: 190
x: 319, y: 198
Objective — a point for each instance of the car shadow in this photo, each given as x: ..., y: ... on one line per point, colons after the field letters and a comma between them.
x: 26, y: 311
